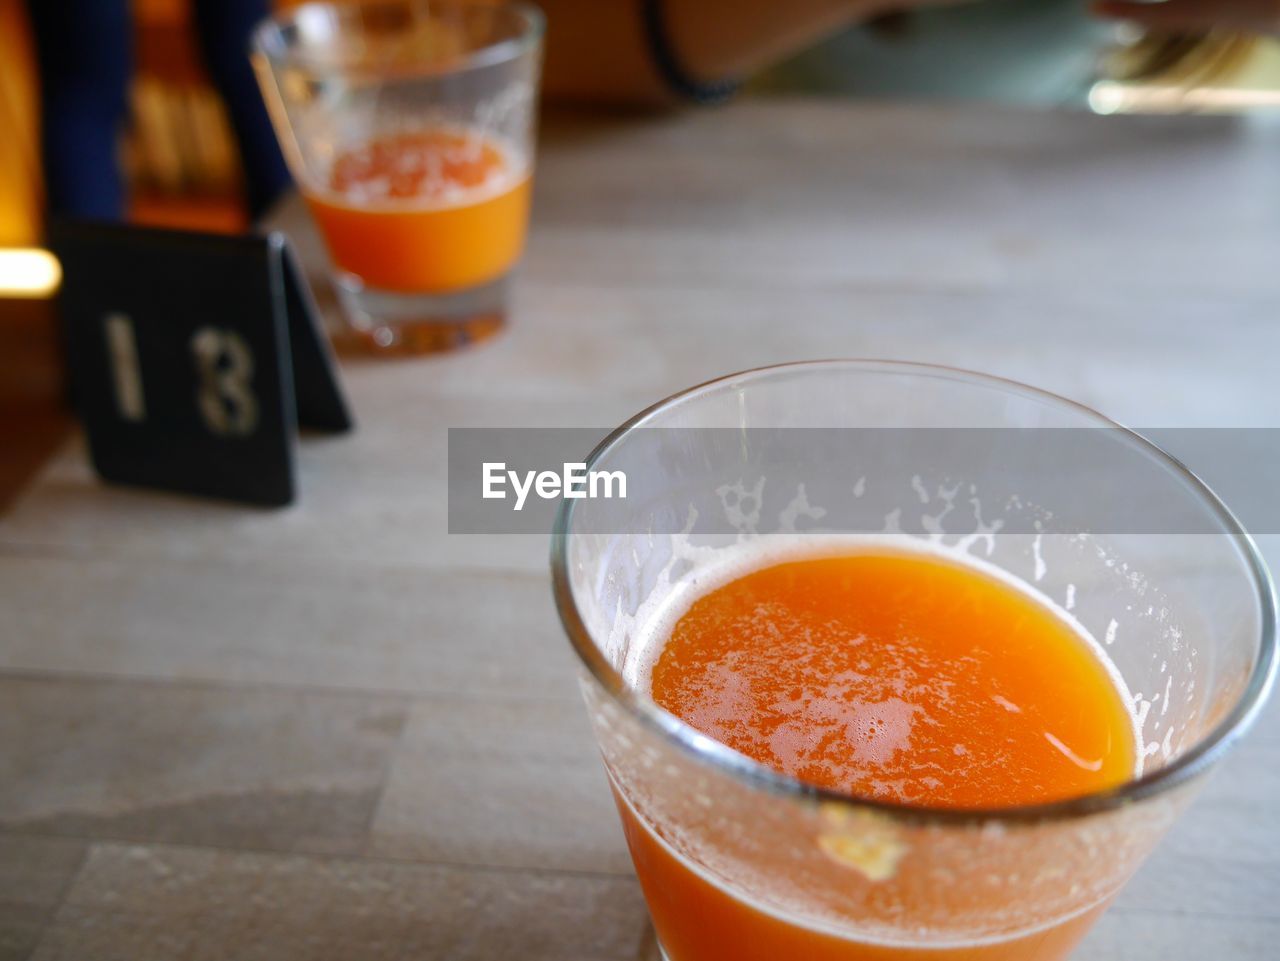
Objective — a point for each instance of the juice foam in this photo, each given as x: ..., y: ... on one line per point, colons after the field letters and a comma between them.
x: 429, y: 211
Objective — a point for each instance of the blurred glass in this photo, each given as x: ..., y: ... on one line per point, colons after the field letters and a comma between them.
x: 409, y: 127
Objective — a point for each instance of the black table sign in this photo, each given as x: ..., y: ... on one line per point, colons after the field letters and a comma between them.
x: 193, y: 358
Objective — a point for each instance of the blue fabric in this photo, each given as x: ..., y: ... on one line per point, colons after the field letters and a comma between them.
x: 84, y: 49
x: 223, y: 28
x: 84, y: 55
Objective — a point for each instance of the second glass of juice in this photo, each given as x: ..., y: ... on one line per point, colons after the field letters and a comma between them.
x: 877, y: 675
x: 409, y: 127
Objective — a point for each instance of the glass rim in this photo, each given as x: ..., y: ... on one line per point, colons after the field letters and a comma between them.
x: 1203, y: 755
x: 268, y: 33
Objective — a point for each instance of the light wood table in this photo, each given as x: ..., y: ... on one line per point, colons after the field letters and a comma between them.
x: 336, y: 732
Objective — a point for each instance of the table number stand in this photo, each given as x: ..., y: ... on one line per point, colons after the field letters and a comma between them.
x: 194, y: 358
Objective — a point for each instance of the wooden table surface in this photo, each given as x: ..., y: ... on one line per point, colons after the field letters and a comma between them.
x: 336, y: 732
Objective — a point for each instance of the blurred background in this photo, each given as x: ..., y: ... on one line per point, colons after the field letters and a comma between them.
x: 182, y: 168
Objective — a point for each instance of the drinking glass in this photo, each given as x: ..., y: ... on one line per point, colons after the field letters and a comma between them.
x: 409, y: 128
x: 740, y: 862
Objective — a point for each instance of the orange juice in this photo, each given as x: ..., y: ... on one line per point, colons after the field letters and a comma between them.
x: 894, y: 676
x: 431, y: 211
x: 700, y: 921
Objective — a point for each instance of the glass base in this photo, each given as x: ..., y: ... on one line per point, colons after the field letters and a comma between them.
x: 384, y: 322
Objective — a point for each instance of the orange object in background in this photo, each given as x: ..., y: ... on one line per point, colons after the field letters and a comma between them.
x: 432, y: 211
x: 21, y: 189
x: 891, y: 676
x: 179, y: 154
